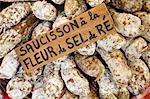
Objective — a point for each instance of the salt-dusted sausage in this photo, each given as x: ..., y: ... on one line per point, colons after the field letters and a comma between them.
x: 127, y: 24
x: 18, y: 87
x: 111, y: 42
x: 118, y: 66
x: 74, y: 80
x: 12, y: 15
x: 53, y: 84
x: 41, y: 28
x: 107, y: 87
x: 90, y: 65
x: 9, y: 65
x: 140, y: 77
x: 44, y: 10
x: 135, y: 49
x: 73, y: 8
x: 10, y: 38
x: 127, y: 5
x: 145, y: 17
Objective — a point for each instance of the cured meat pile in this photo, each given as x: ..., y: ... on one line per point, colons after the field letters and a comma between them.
x: 116, y: 67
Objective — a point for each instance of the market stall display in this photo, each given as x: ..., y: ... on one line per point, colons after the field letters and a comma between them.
x: 119, y: 64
